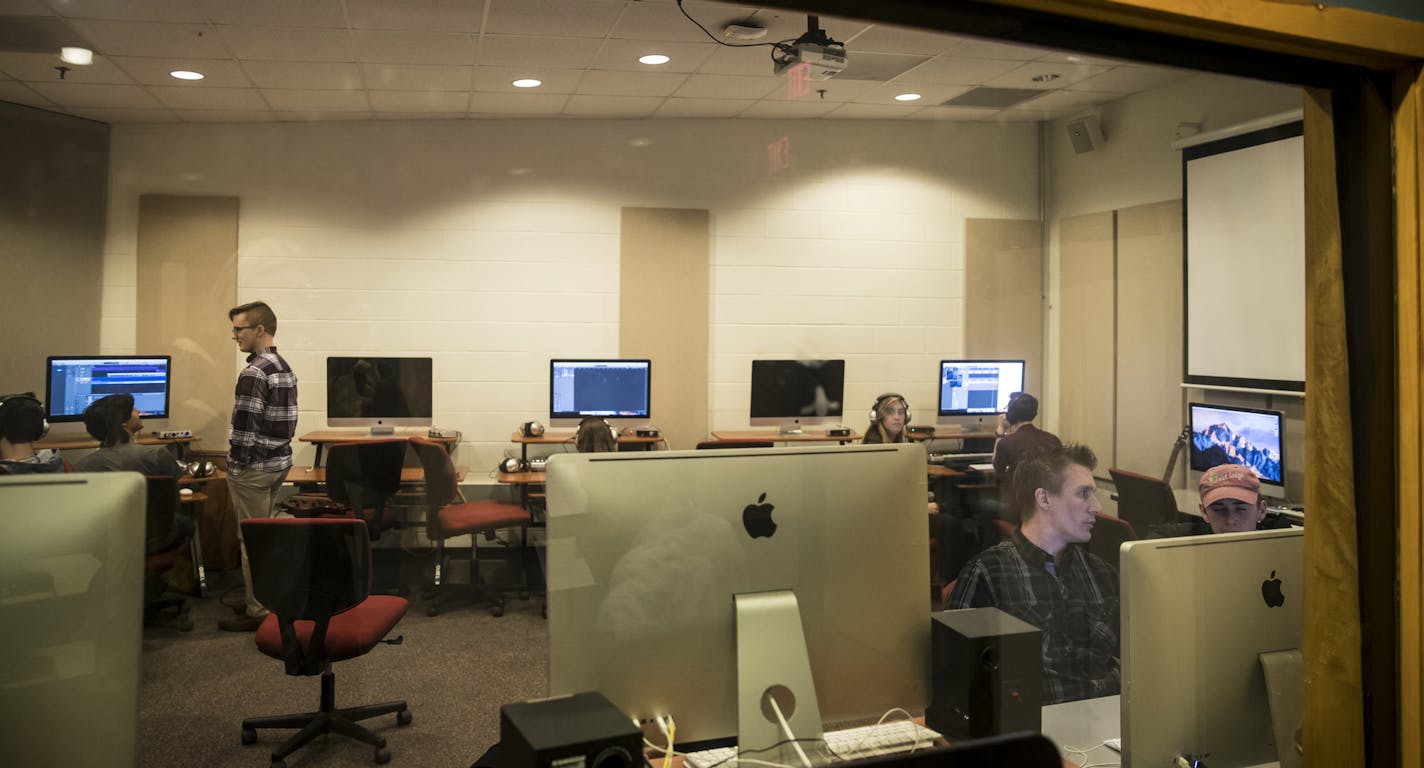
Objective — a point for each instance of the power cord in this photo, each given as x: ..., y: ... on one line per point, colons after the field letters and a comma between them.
x: 1083, y: 753
x: 780, y: 46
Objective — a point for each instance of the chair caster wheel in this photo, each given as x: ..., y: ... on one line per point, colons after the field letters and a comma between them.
x: 403, y: 717
x: 249, y: 735
x: 496, y: 611
x: 383, y: 755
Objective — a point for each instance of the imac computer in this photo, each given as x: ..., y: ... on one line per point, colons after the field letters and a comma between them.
x: 789, y: 393
x: 381, y: 393
x: 704, y: 584
x: 1206, y: 621
x: 612, y: 389
x: 977, y: 388
x: 1246, y: 436
x: 71, y: 591
x: 73, y: 382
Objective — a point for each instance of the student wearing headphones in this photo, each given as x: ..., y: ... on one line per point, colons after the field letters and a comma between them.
x: 888, y: 418
x: 22, y: 424
x: 113, y: 420
x: 595, y: 435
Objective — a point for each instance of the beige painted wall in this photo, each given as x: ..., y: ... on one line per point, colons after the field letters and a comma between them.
x: 1003, y: 294
x: 1085, y: 370
x: 663, y: 313
x: 187, y: 281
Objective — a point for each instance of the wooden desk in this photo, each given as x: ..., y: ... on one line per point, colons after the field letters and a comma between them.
x: 773, y: 436
x: 308, y: 475
x: 567, y: 438
x: 321, y: 437
x: 74, y: 444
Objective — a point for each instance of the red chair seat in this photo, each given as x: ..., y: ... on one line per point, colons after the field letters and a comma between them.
x: 486, y: 514
x: 350, y: 633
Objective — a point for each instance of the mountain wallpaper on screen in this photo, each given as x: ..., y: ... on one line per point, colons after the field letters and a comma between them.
x: 1220, y: 444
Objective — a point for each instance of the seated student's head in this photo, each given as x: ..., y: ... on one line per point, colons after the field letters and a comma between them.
x: 22, y: 419
x: 1055, y: 492
x: 1231, y: 498
x: 111, y: 419
x: 595, y: 435
x: 1023, y: 407
x: 888, y: 418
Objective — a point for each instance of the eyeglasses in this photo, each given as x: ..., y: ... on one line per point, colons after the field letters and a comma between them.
x: 236, y: 329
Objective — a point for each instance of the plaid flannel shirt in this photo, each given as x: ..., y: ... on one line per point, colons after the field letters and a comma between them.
x: 264, y: 414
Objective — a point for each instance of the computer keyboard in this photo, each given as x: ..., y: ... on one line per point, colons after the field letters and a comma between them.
x: 887, y: 738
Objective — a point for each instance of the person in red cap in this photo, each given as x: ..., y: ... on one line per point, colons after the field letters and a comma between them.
x: 1231, y: 499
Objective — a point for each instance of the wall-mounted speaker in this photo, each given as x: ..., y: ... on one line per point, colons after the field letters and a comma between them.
x: 1086, y: 134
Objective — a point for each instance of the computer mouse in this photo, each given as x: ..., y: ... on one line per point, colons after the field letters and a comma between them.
x: 186, y: 492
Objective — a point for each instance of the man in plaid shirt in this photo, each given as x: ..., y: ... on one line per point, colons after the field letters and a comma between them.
x: 264, y: 418
x: 1044, y: 577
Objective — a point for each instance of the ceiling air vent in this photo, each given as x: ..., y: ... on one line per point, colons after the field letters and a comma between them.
x: 996, y: 98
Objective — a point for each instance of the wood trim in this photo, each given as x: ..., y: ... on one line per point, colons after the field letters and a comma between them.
x: 1409, y: 202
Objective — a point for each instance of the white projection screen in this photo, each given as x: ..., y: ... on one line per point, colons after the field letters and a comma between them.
x: 1245, y: 260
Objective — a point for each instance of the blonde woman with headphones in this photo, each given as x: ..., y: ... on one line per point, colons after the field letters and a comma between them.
x: 888, y: 418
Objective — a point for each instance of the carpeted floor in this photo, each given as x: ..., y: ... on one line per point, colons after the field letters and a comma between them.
x: 454, y: 670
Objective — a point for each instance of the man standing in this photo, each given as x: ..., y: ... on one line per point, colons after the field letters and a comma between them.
x: 1045, y: 578
x: 264, y: 418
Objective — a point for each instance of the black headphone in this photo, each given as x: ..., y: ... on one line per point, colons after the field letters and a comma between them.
x: 879, y: 401
x: 531, y: 429
x: 7, y: 401
x: 514, y: 464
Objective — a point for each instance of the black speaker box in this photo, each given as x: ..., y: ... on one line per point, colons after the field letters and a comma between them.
x: 584, y: 730
x: 986, y: 673
x: 923, y: 431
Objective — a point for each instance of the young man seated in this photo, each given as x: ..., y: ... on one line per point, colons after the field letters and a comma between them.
x: 113, y: 421
x: 1044, y: 576
x: 22, y: 424
x: 1231, y: 501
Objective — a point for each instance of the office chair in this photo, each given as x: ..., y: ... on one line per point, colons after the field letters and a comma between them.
x: 1143, y: 501
x: 162, y: 551
x: 1108, y: 535
x: 448, y: 515
x: 314, y: 576
x: 733, y: 443
x: 365, y: 474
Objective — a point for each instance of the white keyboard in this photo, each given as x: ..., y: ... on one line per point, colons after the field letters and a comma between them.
x: 887, y: 738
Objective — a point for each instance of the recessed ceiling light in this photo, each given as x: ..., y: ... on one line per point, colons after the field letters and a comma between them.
x: 907, y: 97
x: 184, y: 74
x: 80, y: 57
x: 654, y: 58
x: 527, y: 82
x: 1045, y: 77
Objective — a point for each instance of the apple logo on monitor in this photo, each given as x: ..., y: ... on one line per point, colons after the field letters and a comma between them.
x: 1271, y: 591
x: 757, y: 518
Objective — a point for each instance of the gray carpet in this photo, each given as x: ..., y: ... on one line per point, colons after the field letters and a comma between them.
x: 454, y: 670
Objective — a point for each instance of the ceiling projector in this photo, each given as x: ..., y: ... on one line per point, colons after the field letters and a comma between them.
x: 822, y: 57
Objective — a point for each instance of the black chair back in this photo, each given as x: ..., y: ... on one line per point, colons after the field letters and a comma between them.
x: 365, y: 474
x: 1108, y: 535
x: 163, y: 503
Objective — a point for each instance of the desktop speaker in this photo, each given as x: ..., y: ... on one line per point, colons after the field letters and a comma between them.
x: 1086, y: 134
x: 841, y: 431
x: 584, y: 730
x: 986, y: 671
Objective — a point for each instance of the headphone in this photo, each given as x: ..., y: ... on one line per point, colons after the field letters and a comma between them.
x: 584, y: 437
x: 531, y: 429
x: 514, y: 464
x: 879, y: 401
x: 8, y: 401
x: 200, y: 468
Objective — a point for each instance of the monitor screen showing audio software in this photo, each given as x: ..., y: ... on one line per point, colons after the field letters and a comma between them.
x: 73, y: 382
x: 607, y: 388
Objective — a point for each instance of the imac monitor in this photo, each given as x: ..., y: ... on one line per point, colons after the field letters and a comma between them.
x: 1197, y: 613
x: 379, y: 392
x: 970, y: 387
x: 611, y: 389
x: 648, y: 555
x: 73, y: 382
x: 792, y: 392
x: 1246, y: 436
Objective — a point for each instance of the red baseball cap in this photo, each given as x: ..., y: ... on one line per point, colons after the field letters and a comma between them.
x: 1229, y: 481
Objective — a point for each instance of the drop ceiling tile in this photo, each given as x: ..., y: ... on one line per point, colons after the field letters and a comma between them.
x: 224, y: 116
x: 1127, y: 79
x: 738, y: 61
x: 789, y: 109
x: 1068, y: 74
x: 957, y: 70
x: 397, y: 47
x: 499, y: 79
x: 1065, y: 100
x: 316, y: 101
x: 417, y: 77
x: 19, y: 93
x: 178, y: 97
x: 133, y: 38
x: 703, y: 107
x: 885, y: 93
x: 131, y: 10
x: 880, y: 66
x: 126, y: 116
x: 623, y: 55
x: 217, y: 73
x: 24, y: 8
x: 422, y: 116
x: 1073, y: 57
x: 662, y: 21
x: 984, y: 48
x: 442, y: 15
x: 1030, y: 115
x: 612, y: 106
x: 81, y: 95
x: 729, y: 87
x: 286, y: 44
x: 873, y: 111
x: 278, y: 13
x: 836, y: 90
x: 976, y: 114
x: 419, y: 101
x: 309, y: 75
x: 319, y: 116
x: 602, y: 83
x: 514, y: 50
x: 559, y: 18
x: 885, y: 38
x: 518, y: 104
x: 40, y: 67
